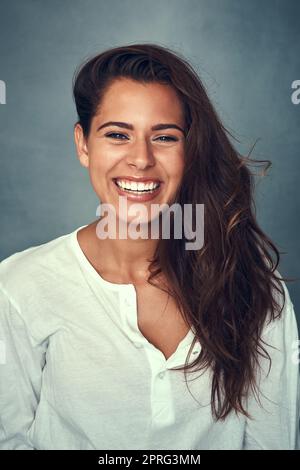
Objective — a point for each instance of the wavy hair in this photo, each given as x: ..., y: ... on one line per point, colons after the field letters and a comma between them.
x: 225, y: 290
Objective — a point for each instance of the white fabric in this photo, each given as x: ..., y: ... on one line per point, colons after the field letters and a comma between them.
x: 76, y: 372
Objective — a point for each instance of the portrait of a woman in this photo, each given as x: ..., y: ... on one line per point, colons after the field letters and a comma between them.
x: 139, y: 343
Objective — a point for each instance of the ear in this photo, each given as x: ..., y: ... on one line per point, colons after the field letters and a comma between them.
x: 81, y: 146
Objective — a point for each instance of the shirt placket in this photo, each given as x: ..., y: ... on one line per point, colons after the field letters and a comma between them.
x: 162, y: 405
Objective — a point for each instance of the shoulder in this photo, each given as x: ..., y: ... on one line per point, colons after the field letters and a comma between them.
x: 282, y: 332
x: 23, y: 270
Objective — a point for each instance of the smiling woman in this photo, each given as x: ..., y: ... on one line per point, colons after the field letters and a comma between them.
x: 110, y: 327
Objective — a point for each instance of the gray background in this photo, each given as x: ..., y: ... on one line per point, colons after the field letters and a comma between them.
x: 246, y: 52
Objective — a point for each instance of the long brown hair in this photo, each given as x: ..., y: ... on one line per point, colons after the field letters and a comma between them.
x: 225, y: 289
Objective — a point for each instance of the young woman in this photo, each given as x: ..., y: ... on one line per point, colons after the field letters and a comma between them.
x: 140, y: 343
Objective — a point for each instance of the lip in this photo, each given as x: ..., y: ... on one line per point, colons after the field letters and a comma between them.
x: 138, y: 197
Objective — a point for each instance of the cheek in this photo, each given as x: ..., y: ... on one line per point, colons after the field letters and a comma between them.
x: 103, y: 158
x: 98, y: 170
x: 176, y: 168
x: 99, y: 163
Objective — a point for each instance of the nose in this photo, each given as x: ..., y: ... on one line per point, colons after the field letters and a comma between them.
x: 140, y: 154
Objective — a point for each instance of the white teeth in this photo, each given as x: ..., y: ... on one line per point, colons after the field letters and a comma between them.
x: 133, y: 186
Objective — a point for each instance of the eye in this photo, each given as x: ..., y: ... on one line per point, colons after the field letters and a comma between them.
x: 167, y: 137
x: 114, y: 134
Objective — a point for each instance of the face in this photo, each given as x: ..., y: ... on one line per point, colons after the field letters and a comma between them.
x: 132, y: 157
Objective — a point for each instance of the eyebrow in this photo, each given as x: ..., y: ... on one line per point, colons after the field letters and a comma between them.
x: 157, y: 127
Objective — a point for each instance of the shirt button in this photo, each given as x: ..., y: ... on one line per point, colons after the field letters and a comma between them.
x: 161, y: 375
x: 138, y: 345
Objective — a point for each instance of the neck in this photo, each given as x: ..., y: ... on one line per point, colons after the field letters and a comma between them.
x: 125, y: 260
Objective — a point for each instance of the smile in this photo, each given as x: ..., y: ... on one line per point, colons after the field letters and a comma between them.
x: 137, y: 187
x: 138, y: 191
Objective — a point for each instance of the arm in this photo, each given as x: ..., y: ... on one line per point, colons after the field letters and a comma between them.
x: 21, y: 363
x: 276, y: 425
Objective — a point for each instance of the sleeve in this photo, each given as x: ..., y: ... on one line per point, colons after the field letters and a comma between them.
x: 275, y: 424
x: 21, y: 364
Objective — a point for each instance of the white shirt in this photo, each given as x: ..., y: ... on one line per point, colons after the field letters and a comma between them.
x: 77, y: 373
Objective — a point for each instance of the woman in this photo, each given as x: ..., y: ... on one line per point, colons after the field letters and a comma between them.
x: 101, y: 334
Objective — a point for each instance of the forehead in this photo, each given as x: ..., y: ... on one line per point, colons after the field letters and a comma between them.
x: 125, y: 94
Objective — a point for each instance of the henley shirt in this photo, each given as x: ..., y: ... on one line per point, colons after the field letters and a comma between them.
x: 77, y: 373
